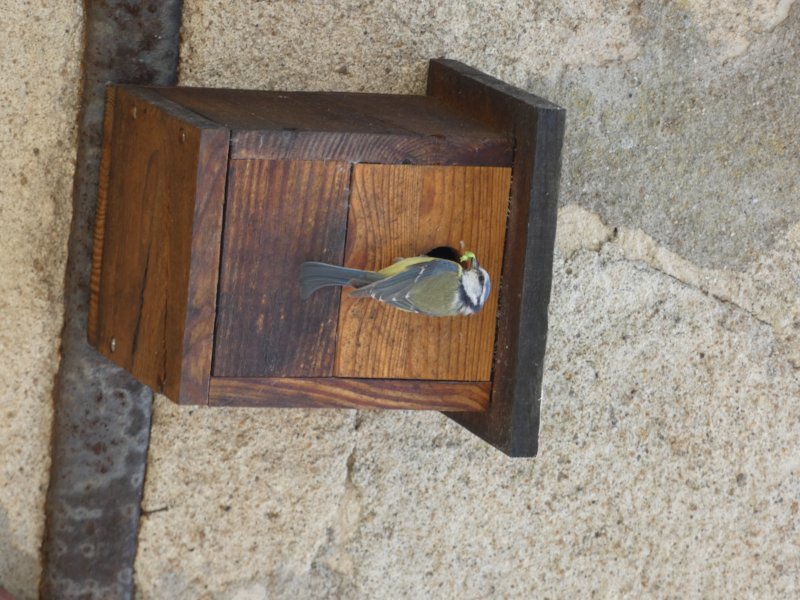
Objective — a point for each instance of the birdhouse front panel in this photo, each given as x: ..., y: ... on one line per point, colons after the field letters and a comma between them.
x: 279, y: 213
x: 408, y: 210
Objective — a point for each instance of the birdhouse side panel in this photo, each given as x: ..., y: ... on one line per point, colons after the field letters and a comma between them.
x: 145, y: 244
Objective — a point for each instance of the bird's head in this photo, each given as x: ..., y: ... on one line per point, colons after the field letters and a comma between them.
x: 475, y: 284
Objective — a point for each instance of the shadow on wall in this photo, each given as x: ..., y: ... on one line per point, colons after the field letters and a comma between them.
x: 19, y: 571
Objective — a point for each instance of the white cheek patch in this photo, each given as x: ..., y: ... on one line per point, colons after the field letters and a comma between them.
x: 472, y: 287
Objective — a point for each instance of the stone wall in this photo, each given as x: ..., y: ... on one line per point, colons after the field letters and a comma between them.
x: 668, y: 458
x: 40, y: 49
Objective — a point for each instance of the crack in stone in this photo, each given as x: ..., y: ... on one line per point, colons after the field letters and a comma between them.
x: 639, y: 264
x: 330, y: 554
x: 580, y: 229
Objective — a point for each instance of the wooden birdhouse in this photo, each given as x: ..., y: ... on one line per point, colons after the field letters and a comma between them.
x: 210, y: 199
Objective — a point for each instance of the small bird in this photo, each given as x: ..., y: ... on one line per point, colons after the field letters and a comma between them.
x: 427, y: 285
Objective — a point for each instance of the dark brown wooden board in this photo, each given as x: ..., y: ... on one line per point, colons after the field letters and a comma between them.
x: 332, y: 392
x: 537, y: 126
x: 329, y: 111
x: 370, y: 147
x: 407, y: 210
x: 279, y: 214
x: 201, y: 313
x: 348, y: 127
x: 154, y: 276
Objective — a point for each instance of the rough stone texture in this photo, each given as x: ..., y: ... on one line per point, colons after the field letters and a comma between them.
x: 238, y: 493
x: 668, y: 466
x: 40, y: 53
x: 668, y: 453
x: 694, y: 149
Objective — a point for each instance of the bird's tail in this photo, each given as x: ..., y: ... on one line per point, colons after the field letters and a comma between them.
x: 316, y: 275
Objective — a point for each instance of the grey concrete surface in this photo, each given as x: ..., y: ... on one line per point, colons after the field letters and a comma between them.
x: 670, y: 422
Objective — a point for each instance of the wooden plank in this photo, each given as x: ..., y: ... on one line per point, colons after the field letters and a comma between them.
x: 329, y: 111
x: 347, y: 127
x: 512, y: 421
x: 349, y: 393
x: 279, y: 214
x: 371, y: 147
x: 164, y: 195
x: 206, y: 231
x: 406, y: 210
x: 100, y: 216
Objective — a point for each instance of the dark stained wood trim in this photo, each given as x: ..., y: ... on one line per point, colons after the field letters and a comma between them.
x: 358, y: 147
x: 153, y: 95
x: 512, y: 421
x: 328, y: 111
x: 201, y: 307
x: 348, y: 127
x: 333, y: 392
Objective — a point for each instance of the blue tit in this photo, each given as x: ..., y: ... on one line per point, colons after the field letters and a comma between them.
x: 426, y: 285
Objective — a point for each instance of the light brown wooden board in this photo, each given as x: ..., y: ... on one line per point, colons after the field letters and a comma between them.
x: 332, y: 392
x: 279, y: 214
x: 160, y: 200
x: 406, y: 210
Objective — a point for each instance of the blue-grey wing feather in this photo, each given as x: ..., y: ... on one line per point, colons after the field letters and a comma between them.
x: 395, y: 290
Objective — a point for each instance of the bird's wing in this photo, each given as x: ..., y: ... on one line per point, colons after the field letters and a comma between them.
x: 396, y: 290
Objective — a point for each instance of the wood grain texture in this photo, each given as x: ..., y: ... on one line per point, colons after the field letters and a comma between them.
x: 407, y: 210
x: 328, y: 111
x: 349, y: 393
x: 201, y: 310
x: 164, y: 195
x: 347, y: 127
x: 100, y: 216
x: 371, y: 147
x: 279, y: 214
x: 512, y: 421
